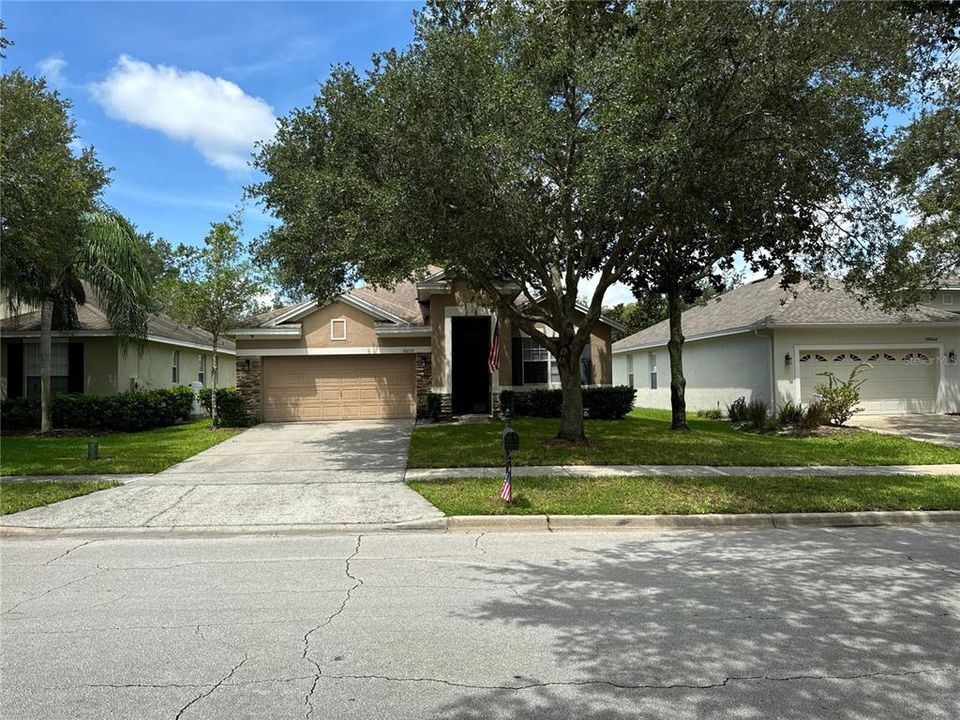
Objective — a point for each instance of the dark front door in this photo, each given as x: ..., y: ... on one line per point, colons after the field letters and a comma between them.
x: 471, y: 376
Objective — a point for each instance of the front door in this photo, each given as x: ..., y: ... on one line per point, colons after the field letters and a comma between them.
x: 471, y: 376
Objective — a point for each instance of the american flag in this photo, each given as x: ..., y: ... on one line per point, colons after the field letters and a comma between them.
x: 506, y: 490
x: 493, y: 362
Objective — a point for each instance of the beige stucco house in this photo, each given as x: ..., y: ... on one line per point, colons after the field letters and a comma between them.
x: 92, y: 360
x: 379, y: 353
x: 759, y: 341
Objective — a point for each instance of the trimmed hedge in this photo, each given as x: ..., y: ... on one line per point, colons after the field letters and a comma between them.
x: 231, y: 411
x: 127, y: 411
x: 599, y: 403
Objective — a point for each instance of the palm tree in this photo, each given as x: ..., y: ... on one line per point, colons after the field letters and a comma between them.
x: 107, y: 257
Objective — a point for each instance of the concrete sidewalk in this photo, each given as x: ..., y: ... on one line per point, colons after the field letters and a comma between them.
x: 120, y: 478
x: 696, y: 470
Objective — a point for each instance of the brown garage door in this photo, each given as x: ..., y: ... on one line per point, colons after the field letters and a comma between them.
x: 338, y: 388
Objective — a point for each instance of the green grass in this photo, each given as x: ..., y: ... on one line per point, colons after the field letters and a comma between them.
x: 15, y: 497
x: 140, y: 452
x: 644, y: 438
x: 656, y: 495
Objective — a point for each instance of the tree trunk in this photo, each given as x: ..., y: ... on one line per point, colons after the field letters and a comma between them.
x: 46, y: 320
x: 213, y: 394
x: 678, y: 384
x: 571, y: 416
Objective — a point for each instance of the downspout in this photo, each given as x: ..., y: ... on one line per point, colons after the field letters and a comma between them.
x: 773, y: 372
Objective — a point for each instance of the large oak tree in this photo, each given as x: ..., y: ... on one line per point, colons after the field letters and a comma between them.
x: 530, y: 146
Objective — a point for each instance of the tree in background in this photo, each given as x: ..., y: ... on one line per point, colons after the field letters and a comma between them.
x: 776, y: 158
x: 923, y: 169
x: 215, y: 288
x: 650, y: 309
x: 56, y: 236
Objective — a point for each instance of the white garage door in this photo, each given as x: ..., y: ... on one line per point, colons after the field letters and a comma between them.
x: 897, y: 381
x: 345, y: 387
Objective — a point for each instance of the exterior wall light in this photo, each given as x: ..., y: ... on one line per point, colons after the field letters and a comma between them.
x: 788, y: 360
x: 952, y: 357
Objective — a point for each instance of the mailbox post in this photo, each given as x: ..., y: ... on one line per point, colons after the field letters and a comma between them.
x: 511, y: 441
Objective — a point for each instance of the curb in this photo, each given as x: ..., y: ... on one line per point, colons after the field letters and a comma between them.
x: 566, y: 523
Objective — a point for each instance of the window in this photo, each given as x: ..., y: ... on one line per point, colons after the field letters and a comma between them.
x: 840, y: 358
x: 338, y: 329
x: 59, y: 368
x: 630, y: 370
x: 805, y: 357
x: 948, y: 298
x: 202, y: 369
x: 175, y: 368
x: 652, y: 362
x: 536, y: 363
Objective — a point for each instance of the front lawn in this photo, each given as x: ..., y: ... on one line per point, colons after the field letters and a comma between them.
x: 644, y: 438
x: 15, y: 497
x: 666, y: 495
x: 139, y: 452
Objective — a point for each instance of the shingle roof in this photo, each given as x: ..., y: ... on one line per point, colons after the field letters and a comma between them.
x: 92, y: 319
x: 764, y: 303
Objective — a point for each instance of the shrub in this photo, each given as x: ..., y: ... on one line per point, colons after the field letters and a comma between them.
x: 840, y: 398
x: 20, y: 414
x: 231, y: 411
x: 712, y: 414
x: 599, y: 403
x: 758, y: 414
x: 432, y: 406
x: 128, y: 411
x: 737, y: 410
x: 791, y: 413
x: 813, y: 417
x: 608, y: 403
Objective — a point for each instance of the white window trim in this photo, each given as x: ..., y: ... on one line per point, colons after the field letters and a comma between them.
x: 333, y: 334
x: 948, y: 298
x: 175, y: 365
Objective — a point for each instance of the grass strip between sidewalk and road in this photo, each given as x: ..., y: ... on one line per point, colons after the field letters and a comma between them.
x: 149, y: 451
x: 18, y: 496
x: 684, y: 495
x: 644, y: 437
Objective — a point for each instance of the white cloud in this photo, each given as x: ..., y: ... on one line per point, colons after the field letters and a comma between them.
x: 213, y: 114
x: 52, y: 69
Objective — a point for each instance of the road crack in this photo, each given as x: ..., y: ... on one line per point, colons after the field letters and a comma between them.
x: 357, y: 582
x: 67, y: 552
x: 213, y: 688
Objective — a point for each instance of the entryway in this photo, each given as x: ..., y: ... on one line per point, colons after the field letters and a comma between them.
x: 471, y: 375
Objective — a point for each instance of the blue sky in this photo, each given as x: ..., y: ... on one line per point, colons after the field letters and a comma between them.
x: 143, y: 79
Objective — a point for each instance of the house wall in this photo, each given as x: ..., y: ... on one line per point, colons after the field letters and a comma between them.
x: 717, y: 371
x: 943, y: 338
x: 152, y: 366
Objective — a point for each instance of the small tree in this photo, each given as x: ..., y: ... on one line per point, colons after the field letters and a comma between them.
x: 840, y: 398
x: 56, y: 236
x: 216, y: 288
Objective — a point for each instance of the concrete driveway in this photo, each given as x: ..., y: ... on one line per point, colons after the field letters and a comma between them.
x: 273, y: 476
x: 940, y: 429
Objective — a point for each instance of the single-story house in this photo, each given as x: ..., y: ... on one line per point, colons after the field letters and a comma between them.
x: 378, y: 353
x: 92, y: 360
x: 760, y: 341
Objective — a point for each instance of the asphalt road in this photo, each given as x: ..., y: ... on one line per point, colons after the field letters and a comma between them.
x: 859, y: 623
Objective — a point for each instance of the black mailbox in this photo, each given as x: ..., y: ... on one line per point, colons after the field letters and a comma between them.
x: 511, y: 440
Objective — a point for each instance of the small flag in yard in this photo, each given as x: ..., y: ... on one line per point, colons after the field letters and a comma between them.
x: 506, y: 490
x: 493, y: 362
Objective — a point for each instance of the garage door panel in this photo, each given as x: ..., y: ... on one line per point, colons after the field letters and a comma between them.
x: 897, y: 381
x: 334, y: 388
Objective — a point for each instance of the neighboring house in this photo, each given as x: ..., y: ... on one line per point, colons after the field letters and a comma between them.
x: 92, y: 360
x: 378, y: 353
x: 759, y: 341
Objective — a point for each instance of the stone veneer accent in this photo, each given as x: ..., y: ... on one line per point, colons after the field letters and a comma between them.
x: 424, y: 381
x: 249, y: 384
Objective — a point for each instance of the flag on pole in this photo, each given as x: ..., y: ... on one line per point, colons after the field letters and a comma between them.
x: 506, y: 490
x: 493, y: 361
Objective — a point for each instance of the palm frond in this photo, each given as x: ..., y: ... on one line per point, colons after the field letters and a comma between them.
x: 112, y: 262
